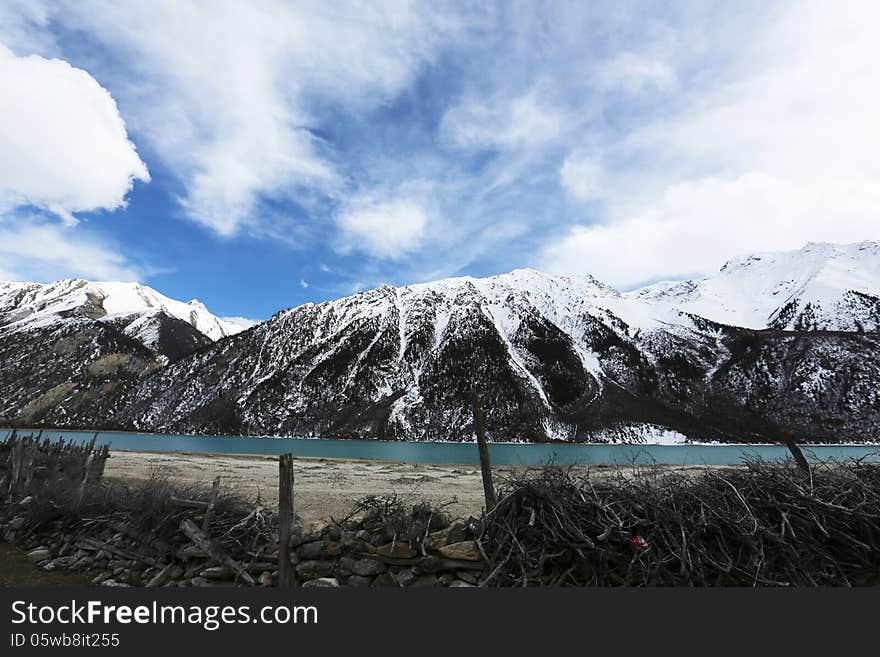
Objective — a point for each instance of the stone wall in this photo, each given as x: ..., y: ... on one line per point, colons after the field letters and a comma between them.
x: 354, y: 553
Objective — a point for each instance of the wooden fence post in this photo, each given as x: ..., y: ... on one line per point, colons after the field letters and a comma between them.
x: 209, y: 512
x: 285, y: 519
x: 86, y: 470
x: 16, y: 463
x: 485, y: 466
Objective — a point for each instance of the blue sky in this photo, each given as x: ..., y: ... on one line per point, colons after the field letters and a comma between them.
x: 262, y: 155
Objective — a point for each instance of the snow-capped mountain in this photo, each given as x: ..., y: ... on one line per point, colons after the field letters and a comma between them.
x: 551, y: 357
x: 67, y: 349
x: 821, y: 287
x: 137, y: 309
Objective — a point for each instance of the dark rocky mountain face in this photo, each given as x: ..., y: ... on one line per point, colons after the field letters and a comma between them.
x: 76, y: 372
x: 551, y: 358
x: 400, y: 364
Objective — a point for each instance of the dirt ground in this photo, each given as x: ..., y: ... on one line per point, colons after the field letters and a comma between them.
x: 17, y: 570
x: 324, y: 488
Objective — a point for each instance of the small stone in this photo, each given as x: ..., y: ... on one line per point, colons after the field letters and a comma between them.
x: 100, y: 577
x: 356, y: 581
x: 346, y: 565
x: 383, y: 580
x: 217, y: 572
x: 266, y: 579
x: 397, y: 549
x: 39, y: 554
x: 161, y: 577
x: 348, y: 540
x: 451, y: 534
x: 460, y: 584
x: 321, y: 583
x: 468, y: 576
x: 406, y: 577
x: 311, y: 551
x: 314, y: 569
x: 465, y: 550
x: 362, y: 535
x: 368, y: 567
x: 425, y: 581
x: 447, y: 579
x: 439, y: 520
x: 65, y: 562
x: 296, y: 536
x: 313, y: 530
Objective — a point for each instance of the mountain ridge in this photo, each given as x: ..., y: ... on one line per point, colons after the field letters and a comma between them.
x: 552, y: 357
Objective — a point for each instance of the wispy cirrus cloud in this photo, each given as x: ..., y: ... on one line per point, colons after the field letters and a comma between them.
x: 227, y: 94
x: 35, y: 250
x: 384, y: 226
x: 631, y: 140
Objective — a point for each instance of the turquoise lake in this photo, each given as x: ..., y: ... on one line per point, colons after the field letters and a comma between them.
x: 500, y: 453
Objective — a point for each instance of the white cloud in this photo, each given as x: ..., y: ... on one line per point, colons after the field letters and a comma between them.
x: 383, y: 228
x: 781, y: 152
x: 582, y: 177
x: 527, y: 120
x: 63, y: 145
x: 224, y: 91
x: 698, y: 224
x: 47, y: 252
x: 303, y: 283
x: 635, y: 73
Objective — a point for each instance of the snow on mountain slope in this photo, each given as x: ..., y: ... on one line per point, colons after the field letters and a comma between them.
x: 551, y: 357
x: 136, y: 307
x: 820, y: 287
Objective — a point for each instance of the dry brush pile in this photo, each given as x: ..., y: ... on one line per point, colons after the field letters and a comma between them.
x: 761, y: 525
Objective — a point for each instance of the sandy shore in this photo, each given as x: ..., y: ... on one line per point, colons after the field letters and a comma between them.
x: 324, y: 488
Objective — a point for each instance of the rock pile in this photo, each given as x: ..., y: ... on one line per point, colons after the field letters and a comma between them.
x: 354, y: 552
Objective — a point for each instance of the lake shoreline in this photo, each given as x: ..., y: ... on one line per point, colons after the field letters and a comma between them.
x: 329, y: 487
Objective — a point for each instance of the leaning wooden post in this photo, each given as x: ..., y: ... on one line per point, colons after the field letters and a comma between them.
x: 285, y: 519
x: 799, y: 457
x: 485, y: 466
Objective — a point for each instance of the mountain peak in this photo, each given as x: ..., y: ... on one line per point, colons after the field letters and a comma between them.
x: 24, y: 304
x: 820, y: 286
